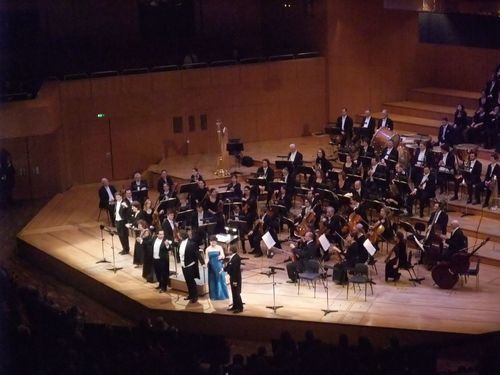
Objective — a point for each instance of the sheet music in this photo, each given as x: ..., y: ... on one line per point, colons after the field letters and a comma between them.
x: 268, y: 240
x: 369, y: 247
x: 325, y: 244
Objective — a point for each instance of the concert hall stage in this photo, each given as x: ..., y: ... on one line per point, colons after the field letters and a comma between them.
x: 64, y: 239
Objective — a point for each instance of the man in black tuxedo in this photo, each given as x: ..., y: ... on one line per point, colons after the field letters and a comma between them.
x: 122, y: 216
x: 491, y: 178
x: 358, y: 191
x: 424, y: 190
x: 446, y: 135
x: 190, y: 259
x: 390, y: 154
x: 233, y: 268
x: 344, y: 123
x: 139, y: 188
x: 385, y: 121
x: 107, y: 198
x: 161, y: 261
x: 265, y: 172
x: 457, y: 241
x: 308, y: 251
x: 473, y: 178
x: 294, y: 156
x: 446, y: 166
x: 368, y: 125
x: 439, y: 217
x: 289, y: 180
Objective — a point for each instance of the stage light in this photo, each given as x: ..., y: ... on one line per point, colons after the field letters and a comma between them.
x: 101, y: 115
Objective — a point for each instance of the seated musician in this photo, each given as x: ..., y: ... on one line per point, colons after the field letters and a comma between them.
x: 383, y: 227
x: 305, y: 212
x: 164, y: 179
x: 199, y: 219
x: 199, y: 194
x: 265, y: 172
x: 358, y: 207
x: 306, y: 251
x: 270, y: 223
x: 457, y: 241
x: 350, y: 170
x: 473, y: 132
x: 317, y: 180
x: 344, y: 123
x: 446, y: 133
x: 322, y: 162
x: 282, y: 197
x: 376, y: 181
x: 439, y: 217
x: 390, y: 154
x: 196, y: 176
x: 423, y: 156
x: 365, y: 150
x: 235, y: 187
x: 288, y: 179
x: 249, y: 198
x: 491, y: 178
x: 446, y: 167
x: 237, y: 214
x: 167, y: 192
x: 184, y: 203
x: 331, y: 225
x: 355, y: 253
x: 139, y: 188
x: 424, y: 190
x: 358, y: 191
x: 213, y: 206
x: 396, y: 258
x: 472, y: 175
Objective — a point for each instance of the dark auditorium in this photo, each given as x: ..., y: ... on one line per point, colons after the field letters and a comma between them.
x: 230, y: 187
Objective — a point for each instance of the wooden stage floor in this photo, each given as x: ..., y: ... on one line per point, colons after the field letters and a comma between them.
x: 65, y: 238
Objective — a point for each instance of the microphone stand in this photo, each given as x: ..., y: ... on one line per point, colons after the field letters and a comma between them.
x: 272, y: 272
x: 112, y: 234
x: 324, y: 279
x: 103, y: 260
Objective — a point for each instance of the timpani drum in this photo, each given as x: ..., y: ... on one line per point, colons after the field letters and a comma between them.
x: 381, y: 136
x: 462, y: 150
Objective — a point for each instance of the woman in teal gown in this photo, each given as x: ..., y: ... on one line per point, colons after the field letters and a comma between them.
x: 216, y: 276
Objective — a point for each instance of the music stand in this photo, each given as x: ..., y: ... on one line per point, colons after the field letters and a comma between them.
x: 103, y: 260
x: 140, y: 195
x: 208, y: 228
x: 184, y: 217
x: 257, y: 181
x: 330, y: 130
x: 167, y: 204
x: 188, y: 188
x: 272, y: 272
x: 365, y: 161
x: 304, y: 170
x: 324, y: 279
x: 328, y: 195
x: 239, y: 225
x: 276, y: 185
x: 112, y: 234
x: 280, y: 164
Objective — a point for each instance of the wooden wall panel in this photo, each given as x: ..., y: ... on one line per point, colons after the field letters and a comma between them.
x: 106, y: 86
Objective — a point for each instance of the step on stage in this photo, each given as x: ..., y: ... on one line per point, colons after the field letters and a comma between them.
x: 65, y: 240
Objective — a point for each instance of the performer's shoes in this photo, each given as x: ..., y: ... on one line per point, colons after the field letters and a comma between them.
x: 194, y: 300
x: 455, y: 198
x: 187, y: 298
x: 230, y: 309
x: 270, y: 255
x: 287, y: 260
x: 123, y: 252
x: 258, y: 255
x: 291, y: 281
x: 162, y: 291
x: 237, y: 311
x: 157, y: 288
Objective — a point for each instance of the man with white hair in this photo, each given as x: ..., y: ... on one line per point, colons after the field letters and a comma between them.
x: 385, y: 121
x: 368, y: 125
x: 107, y: 198
x: 139, y: 188
x: 294, y: 156
x: 457, y: 241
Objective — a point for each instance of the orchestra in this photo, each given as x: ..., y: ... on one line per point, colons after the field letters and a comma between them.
x: 355, y: 204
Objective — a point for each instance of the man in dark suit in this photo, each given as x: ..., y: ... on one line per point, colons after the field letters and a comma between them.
x: 294, y: 156
x: 446, y: 166
x: 424, y: 190
x: 390, y: 154
x: 233, y: 268
x: 445, y: 135
x: 161, y: 261
x: 473, y: 178
x: 265, y: 172
x: 308, y: 251
x: 491, y: 178
x: 139, y: 188
x: 385, y: 121
x: 439, y: 217
x: 358, y: 191
x: 344, y: 123
x: 122, y: 215
x: 368, y: 125
x: 457, y: 241
x: 107, y: 198
x: 190, y: 259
